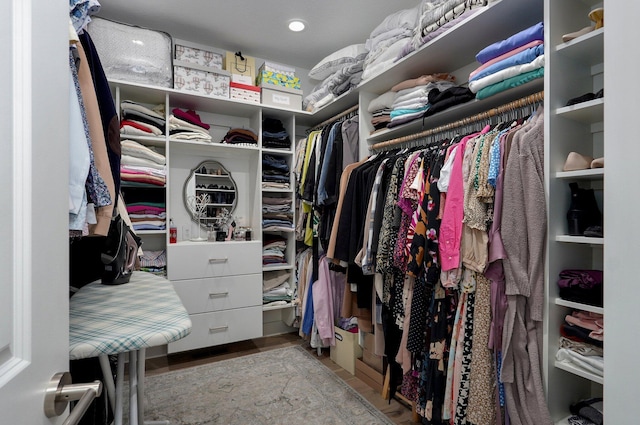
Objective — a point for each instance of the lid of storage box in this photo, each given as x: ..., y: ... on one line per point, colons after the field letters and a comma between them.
x: 200, y: 67
x: 280, y: 88
x: 244, y: 86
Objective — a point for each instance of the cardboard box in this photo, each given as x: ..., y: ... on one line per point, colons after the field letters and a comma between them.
x: 277, y: 79
x: 245, y: 92
x: 346, y: 350
x: 241, y: 79
x: 235, y: 65
x: 197, y: 54
x: 369, y: 376
x: 281, y: 97
x: 201, y: 80
x: 369, y: 356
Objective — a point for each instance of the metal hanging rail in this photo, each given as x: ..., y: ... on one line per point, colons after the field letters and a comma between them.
x: 482, y: 116
x: 333, y: 118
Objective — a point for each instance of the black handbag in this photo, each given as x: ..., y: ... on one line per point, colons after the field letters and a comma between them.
x: 119, y: 253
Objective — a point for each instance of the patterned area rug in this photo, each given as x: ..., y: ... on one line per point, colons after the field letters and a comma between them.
x: 281, y: 386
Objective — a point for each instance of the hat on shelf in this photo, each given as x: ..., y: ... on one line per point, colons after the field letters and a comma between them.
x: 576, y: 161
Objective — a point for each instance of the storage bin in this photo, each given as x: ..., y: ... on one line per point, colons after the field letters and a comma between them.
x: 131, y: 53
x: 197, y: 54
x: 281, y: 97
x: 245, y: 92
x: 346, y: 350
x: 198, y: 79
x: 277, y: 79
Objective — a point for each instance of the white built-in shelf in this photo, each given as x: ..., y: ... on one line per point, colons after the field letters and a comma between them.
x: 136, y: 185
x: 157, y: 141
x: 267, y: 230
x: 219, y: 176
x: 272, y: 268
x: 579, y: 372
x: 146, y: 93
x: 580, y: 239
x: 436, y: 55
x: 588, y: 49
x: 579, y: 306
x: 588, y: 174
x: 458, y: 112
x: 276, y: 190
x: 277, y: 307
x: 585, y: 112
x: 276, y: 151
x: 151, y: 232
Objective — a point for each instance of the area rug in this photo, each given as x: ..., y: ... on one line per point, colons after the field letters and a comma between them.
x: 281, y: 386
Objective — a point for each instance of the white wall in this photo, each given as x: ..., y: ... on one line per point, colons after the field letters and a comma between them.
x: 621, y: 217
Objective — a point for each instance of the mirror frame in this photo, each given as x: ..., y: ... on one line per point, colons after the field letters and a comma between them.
x: 209, y: 164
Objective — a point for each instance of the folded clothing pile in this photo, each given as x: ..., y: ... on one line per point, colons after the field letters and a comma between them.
x: 339, y: 72
x: 138, y: 120
x: 186, y: 125
x: 141, y: 165
x: 274, y: 135
x: 241, y: 137
x: 509, y: 63
x: 436, y: 17
x: 581, y: 342
x: 154, y: 262
x: 412, y: 97
x: 275, y: 172
x: 273, y: 250
x: 581, y: 286
x: 386, y: 41
x: 147, y: 215
x: 276, y: 288
x: 276, y: 205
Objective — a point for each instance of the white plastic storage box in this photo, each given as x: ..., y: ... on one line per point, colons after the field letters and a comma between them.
x: 201, y: 80
x: 131, y: 53
x: 245, y: 92
x: 281, y: 97
x: 197, y: 54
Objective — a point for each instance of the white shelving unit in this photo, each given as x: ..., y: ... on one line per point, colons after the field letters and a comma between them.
x: 571, y: 70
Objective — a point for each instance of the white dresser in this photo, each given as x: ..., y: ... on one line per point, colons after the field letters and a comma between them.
x: 220, y: 284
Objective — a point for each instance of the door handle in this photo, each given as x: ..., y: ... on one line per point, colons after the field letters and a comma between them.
x: 61, y: 391
x: 218, y: 260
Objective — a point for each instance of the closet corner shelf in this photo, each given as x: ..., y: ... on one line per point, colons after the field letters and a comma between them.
x: 588, y: 49
x: 277, y: 307
x: 277, y: 267
x: 213, y: 147
x: 588, y: 174
x: 579, y: 306
x: 580, y: 239
x: 579, y: 372
x: 585, y: 112
x: 277, y: 231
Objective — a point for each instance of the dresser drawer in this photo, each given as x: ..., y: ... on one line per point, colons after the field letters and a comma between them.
x: 220, y: 293
x: 199, y: 260
x: 220, y: 327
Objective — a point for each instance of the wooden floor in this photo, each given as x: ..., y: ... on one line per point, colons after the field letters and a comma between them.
x: 394, y: 410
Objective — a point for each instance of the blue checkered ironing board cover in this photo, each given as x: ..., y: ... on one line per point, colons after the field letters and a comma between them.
x: 111, y: 319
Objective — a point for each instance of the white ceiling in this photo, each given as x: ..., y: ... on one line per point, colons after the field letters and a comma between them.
x: 259, y: 27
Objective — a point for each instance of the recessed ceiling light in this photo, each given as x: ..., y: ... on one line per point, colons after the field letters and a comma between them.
x: 296, y: 25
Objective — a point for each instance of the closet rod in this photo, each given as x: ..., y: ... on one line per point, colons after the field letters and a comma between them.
x: 333, y: 118
x: 482, y: 116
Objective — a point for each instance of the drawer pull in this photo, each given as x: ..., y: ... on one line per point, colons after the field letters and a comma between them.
x: 218, y: 329
x: 218, y: 260
x: 218, y: 294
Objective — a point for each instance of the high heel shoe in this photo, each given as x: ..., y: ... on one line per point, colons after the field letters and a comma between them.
x: 597, y: 16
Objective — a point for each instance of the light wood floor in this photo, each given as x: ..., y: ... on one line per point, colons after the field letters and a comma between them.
x: 394, y: 410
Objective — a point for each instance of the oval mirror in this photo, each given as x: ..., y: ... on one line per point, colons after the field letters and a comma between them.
x: 210, y: 194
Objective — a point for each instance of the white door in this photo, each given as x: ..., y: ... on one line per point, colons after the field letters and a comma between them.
x: 34, y: 99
